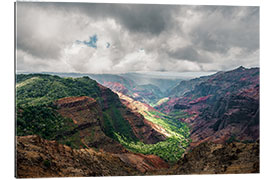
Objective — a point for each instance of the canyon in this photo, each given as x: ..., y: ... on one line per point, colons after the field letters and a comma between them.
x: 76, y: 126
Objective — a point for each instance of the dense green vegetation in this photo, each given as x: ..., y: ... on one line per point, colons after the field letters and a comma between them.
x: 41, y: 120
x: 172, y: 125
x: 47, y: 123
x: 37, y: 114
x: 115, y: 123
x: 172, y: 148
x: 73, y: 140
x: 37, y: 89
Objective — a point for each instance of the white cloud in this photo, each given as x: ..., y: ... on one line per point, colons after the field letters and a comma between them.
x: 186, y: 38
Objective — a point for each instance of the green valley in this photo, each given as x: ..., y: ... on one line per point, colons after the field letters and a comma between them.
x: 36, y: 110
x: 38, y: 113
x: 177, y: 132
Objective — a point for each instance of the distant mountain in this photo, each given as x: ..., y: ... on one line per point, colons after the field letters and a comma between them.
x: 81, y: 113
x: 78, y: 112
x: 185, y: 86
x: 142, y: 87
x: 103, y: 78
x: 222, y: 106
x: 147, y: 93
x: 75, y: 125
x: 162, y: 82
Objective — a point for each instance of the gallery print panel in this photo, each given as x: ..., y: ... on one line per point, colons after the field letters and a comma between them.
x: 136, y: 89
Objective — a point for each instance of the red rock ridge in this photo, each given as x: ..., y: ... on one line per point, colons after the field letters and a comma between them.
x: 37, y: 157
x: 87, y: 113
x: 149, y: 132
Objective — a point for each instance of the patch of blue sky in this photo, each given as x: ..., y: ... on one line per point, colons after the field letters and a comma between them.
x: 108, y: 45
x: 91, y: 43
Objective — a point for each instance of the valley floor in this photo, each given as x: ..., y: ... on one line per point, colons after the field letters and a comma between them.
x: 77, y: 127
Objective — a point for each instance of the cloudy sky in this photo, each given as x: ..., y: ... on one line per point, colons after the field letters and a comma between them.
x: 119, y: 38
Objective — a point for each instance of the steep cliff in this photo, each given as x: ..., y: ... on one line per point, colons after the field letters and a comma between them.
x: 86, y: 113
x: 211, y: 158
x: 219, y: 108
x: 49, y: 102
x: 37, y: 157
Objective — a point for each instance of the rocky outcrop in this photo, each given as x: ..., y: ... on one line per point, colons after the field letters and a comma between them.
x: 116, y: 86
x: 147, y: 93
x: 108, y: 98
x: 144, y: 163
x: 233, y: 117
x: 142, y: 128
x: 211, y: 158
x: 185, y: 86
x: 87, y: 114
x: 37, y: 157
x: 149, y: 132
x: 220, y: 107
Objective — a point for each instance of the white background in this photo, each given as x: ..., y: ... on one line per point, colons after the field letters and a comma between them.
x: 7, y: 88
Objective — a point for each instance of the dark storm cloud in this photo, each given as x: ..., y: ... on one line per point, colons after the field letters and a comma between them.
x: 28, y: 37
x: 221, y: 28
x: 187, y: 53
x: 134, y: 37
x: 42, y: 49
x: 151, y: 19
x: 146, y: 18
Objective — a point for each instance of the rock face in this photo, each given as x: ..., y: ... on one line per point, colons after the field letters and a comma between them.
x: 211, y: 158
x: 108, y: 98
x: 142, y: 128
x: 144, y: 163
x: 116, y: 86
x: 234, y: 117
x: 185, y: 86
x: 220, y: 107
x: 151, y: 132
x: 87, y: 114
x: 37, y: 157
x: 145, y: 92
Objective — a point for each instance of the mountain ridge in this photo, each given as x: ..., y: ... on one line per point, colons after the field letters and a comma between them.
x: 90, y: 109
x: 215, y: 99
x: 218, y: 113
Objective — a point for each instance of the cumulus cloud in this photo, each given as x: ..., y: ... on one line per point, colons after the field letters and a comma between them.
x: 119, y: 38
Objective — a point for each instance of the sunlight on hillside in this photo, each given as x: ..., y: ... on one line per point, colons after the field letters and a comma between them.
x: 26, y: 82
